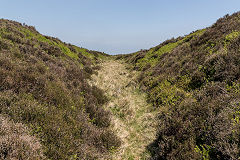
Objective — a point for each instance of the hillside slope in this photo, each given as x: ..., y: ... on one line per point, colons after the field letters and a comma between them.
x: 194, y: 84
x: 47, y: 108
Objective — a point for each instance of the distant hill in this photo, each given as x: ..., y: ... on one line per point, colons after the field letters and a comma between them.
x: 47, y: 108
x: 194, y: 82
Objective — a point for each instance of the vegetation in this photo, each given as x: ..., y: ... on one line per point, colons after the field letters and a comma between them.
x: 47, y: 108
x: 193, y: 82
x: 53, y: 106
x: 17, y: 143
x: 132, y: 117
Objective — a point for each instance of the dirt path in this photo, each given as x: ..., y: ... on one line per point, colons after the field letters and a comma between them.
x: 132, y: 117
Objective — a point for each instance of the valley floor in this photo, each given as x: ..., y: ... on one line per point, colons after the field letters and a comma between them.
x: 133, y: 119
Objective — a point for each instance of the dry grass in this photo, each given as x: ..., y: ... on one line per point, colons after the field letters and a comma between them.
x: 132, y: 117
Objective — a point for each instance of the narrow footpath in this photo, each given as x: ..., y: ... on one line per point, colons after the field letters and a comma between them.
x: 132, y: 117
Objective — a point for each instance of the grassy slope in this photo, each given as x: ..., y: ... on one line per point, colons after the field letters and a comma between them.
x: 43, y: 86
x: 194, y: 82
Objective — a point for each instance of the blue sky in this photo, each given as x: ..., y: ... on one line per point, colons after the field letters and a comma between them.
x: 117, y: 26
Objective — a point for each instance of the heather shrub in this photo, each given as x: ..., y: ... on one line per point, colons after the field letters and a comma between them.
x: 17, y: 143
x: 204, y: 121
